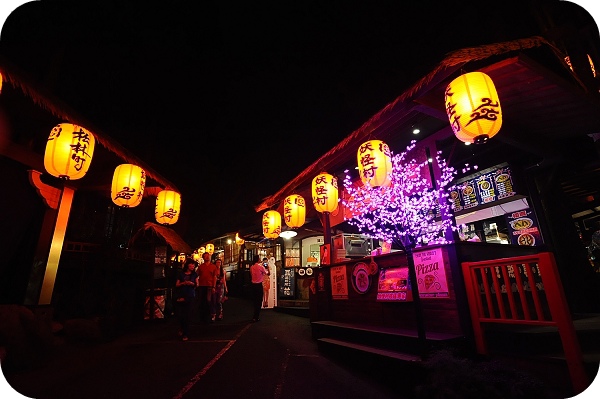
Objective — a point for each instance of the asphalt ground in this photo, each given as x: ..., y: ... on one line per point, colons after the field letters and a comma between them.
x: 275, y: 357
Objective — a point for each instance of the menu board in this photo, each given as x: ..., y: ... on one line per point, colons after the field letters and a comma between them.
x: 491, y: 185
x: 523, y: 228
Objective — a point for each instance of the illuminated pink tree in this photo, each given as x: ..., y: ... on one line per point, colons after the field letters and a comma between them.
x: 413, y: 210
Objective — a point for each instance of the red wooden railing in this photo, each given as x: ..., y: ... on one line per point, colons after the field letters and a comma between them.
x: 523, y: 290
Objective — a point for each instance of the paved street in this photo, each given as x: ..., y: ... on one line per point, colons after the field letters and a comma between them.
x: 273, y: 358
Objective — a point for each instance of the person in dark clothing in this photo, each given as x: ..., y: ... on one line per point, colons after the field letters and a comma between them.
x: 185, y: 286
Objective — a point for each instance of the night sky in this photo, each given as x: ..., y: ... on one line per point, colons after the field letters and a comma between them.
x: 231, y: 100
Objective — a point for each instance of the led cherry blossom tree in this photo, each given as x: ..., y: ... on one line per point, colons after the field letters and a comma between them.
x: 413, y: 210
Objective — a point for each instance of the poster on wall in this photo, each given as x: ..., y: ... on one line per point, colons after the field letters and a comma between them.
x: 431, y: 273
x: 394, y: 285
x: 339, y: 282
x: 325, y: 254
x: 287, y: 283
x: 523, y: 228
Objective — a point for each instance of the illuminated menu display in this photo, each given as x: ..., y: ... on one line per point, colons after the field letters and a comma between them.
x: 491, y: 185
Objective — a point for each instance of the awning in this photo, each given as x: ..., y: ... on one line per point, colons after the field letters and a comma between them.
x: 152, y: 233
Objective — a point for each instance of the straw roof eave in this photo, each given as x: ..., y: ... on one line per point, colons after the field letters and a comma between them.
x: 62, y: 111
x: 452, y: 62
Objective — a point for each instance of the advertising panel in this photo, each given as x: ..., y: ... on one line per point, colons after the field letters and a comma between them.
x: 339, y: 282
x: 523, y: 228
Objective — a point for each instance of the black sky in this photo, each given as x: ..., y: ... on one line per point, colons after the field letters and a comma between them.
x: 230, y: 100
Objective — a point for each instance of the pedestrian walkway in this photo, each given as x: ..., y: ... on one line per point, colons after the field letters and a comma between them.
x: 275, y: 357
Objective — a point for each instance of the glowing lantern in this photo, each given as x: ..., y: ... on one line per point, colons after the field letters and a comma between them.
x: 181, y: 257
x: 69, y: 151
x: 201, y: 250
x: 239, y: 240
x: 168, y: 206
x: 374, y: 163
x: 271, y: 224
x: 196, y: 256
x: 294, y: 210
x: 473, y: 107
x: 325, y: 192
x: 210, y: 248
x: 128, y: 185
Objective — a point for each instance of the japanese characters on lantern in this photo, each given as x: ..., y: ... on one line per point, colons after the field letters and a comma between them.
x: 325, y: 192
x: 473, y: 107
x: 128, y: 185
x: 271, y: 224
x: 294, y: 210
x: 168, y: 206
x: 374, y: 163
x: 69, y: 151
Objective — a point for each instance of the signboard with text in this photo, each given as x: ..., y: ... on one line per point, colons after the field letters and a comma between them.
x: 287, y: 283
x: 339, y: 282
x: 394, y: 285
x: 491, y: 185
x: 431, y: 273
x: 523, y: 228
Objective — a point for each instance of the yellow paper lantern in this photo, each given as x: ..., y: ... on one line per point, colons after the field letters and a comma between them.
x: 325, y: 192
x: 210, y: 248
x: 239, y: 240
x: 473, y: 107
x: 128, y: 185
x: 201, y: 250
x: 374, y: 163
x: 69, y: 151
x: 168, y: 206
x: 271, y: 224
x: 294, y: 210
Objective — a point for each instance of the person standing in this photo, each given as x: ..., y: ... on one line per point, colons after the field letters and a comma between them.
x: 207, y: 282
x: 257, y: 275
x: 220, y: 291
x: 185, y: 285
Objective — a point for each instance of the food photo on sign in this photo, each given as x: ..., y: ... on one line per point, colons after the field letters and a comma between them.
x: 523, y: 228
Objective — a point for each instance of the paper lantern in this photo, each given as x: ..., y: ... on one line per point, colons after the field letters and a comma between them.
x: 69, y: 151
x: 473, y: 107
x: 128, y: 185
x: 294, y: 210
x: 210, y: 248
x: 325, y: 192
x: 271, y: 224
x: 168, y: 206
x: 201, y: 250
x: 239, y: 240
x: 374, y: 163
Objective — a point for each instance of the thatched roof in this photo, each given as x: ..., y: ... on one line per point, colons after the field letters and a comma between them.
x: 57, y: 108
x: 152, y: 233
x: 402, y: 104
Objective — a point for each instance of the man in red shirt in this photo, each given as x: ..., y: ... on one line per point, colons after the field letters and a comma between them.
x: 257, y: 274
x: 207, y: 281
